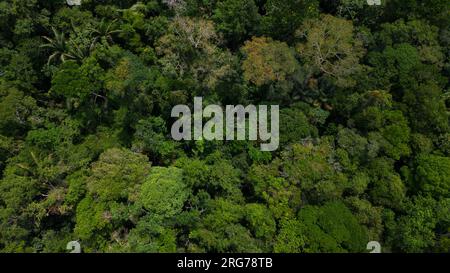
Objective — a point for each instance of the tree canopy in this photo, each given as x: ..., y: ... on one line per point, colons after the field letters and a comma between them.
x: 86, y: 153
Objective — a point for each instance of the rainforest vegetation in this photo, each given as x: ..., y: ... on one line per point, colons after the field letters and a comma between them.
x: 86, y: 154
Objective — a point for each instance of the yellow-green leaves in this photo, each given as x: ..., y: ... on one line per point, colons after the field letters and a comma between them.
x: 164, y: 191
x: 331, y: 48
x: 267, y: 61
x: 117, y: 174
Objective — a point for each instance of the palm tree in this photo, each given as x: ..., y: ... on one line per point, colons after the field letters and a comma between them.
x: 58, y: 45
x: 79, y: 51
x: 104, y: 30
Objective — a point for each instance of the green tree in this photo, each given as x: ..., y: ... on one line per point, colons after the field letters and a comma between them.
x: 236, y: 19
x: 331, y: 48
x: 427, y: 99
x: 329, y: 228
x: 435, y: 11
x: 417, y: 33
x: 190, y: 50
x: 260, y: 221
x: 432, y: 175
x: 283, y: 18
x: 295, y: 126
x: 150, y: 138
x: 117, y: 174
x: 164, y: 192
x: 70, y: 82
x: 215, y: 176
x: 220, y: 230
x: 15, y: 109
x: 387, y: 187
x: 267, y: 61
x: 113, y: 186
x: 416, y: 231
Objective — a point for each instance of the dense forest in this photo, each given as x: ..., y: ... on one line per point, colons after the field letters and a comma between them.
x: 86, y: 154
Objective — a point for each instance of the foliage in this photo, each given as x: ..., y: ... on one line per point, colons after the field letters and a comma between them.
x: 86, y: 152
x: 331, y: 48
x: 267, y: 61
